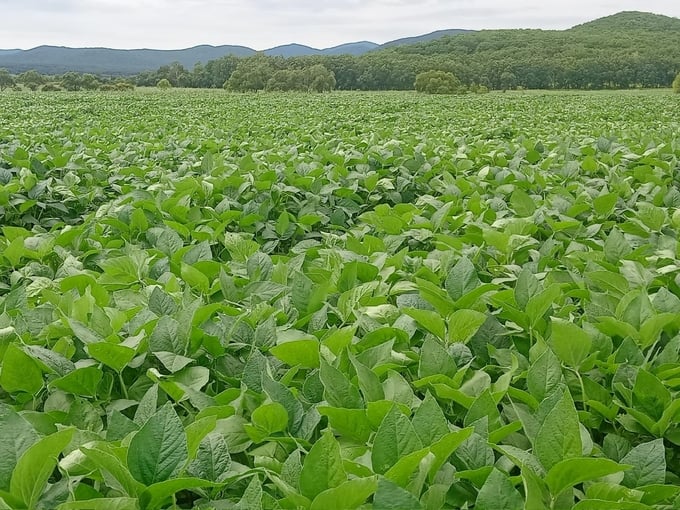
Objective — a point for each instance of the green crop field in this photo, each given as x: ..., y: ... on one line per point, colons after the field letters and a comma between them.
x: 339, y: 301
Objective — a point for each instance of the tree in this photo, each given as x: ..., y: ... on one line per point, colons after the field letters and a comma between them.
x: 31, y: 79
x: 251, y: 74
x: 438, y: 82
x: 319, y: 79
x: 164, y: 84
x: 6, y: 80
x: 676, y: 84
x: 71, y: 81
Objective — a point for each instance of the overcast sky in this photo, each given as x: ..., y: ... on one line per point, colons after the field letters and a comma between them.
x: 261, y: 24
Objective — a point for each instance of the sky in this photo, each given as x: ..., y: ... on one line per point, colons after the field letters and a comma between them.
x: 262, y: 24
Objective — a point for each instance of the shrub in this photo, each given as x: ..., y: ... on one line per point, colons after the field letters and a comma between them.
x: 676, y: 84
x: 438, y: 82
x: 164, y: 84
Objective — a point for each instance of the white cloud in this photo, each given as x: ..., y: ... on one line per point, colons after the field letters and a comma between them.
x: 266, y: 23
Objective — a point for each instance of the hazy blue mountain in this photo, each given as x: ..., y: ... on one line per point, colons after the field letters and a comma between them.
x: 58, y: 59
x: 108, y: 61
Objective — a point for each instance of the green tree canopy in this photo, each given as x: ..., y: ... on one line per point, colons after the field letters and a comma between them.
x: 438, y: 82
x: 676, y: 84
x: 164, y: 84
x: 6, y: 79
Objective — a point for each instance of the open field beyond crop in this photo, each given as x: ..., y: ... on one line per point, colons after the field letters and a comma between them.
x: 339, y: 301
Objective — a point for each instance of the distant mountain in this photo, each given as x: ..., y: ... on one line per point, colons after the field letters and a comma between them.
x: 356, y: 48
x: 107, y: 61
x: 427, y: 37
x: 58, y: 59
x: 299, y: 50
x: 291, y: 50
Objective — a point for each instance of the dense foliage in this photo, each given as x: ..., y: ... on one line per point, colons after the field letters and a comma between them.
x: 341, y: 301
x: 438, y: 82
x: 628, y: 50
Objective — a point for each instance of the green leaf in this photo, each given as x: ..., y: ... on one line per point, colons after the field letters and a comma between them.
x: 16, y: 436
x: 394, y: 439
x: 195, y: 278
x: 616, y: 247
x: 212, y: 460
x: 463, y: 324
x: 82, y: 381
x: 35, y: 467
x: 161, y: 303
x: 270, y: 418
x: 435, y: 360
x: 604, y: 204
x: 649, y: 465
x: 112, y: 468
x: 338, y: 390
x: 349, y: 423
x: 559, y: 436
x: 19, y: 372
x: 159, y: 448
x: 389, y: 496
x: 166, y: 337
x: 544, y: 375
x: 498, y: 493
x: 462, y: 279
x: 346, y: 496
x: 571, y: 343
x: 429, y: 320
x: 429, y: 421
x: 303, y: 353
x: 102, y: 504
x: 650, y: 396
x: 112, y: 355
x: 322, y: 468
x: 157, y: 495
x: 570, y: 472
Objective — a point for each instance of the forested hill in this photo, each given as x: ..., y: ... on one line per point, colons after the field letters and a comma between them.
x: 626, y: 50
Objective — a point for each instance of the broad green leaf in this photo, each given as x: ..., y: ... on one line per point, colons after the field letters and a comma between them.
x: 544, y: 375
x: 35, y: 466
x: 159, y: 448
x: 322, y: 468
x: 389, y: 496
x: 570, y: 343
x: 346, y: 496
x: 463, y: 324
x: 498, y: 493
x: 157, y: 495
x: 102, y: 504
x: 19, y: 372
x: 82, y: 381
x: 570, y: 472
x: 559, y: 436
x: 112, y: 355
x: 212, y: 460
x: 394, y: 439
x: 16, y: 436
x: 349, y: 423
x: 649, y: 465
x: 338, y: 390
x: 304, y: 353
x: 462, y: 279
x: 429, y: 421
x: 650, y: 396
